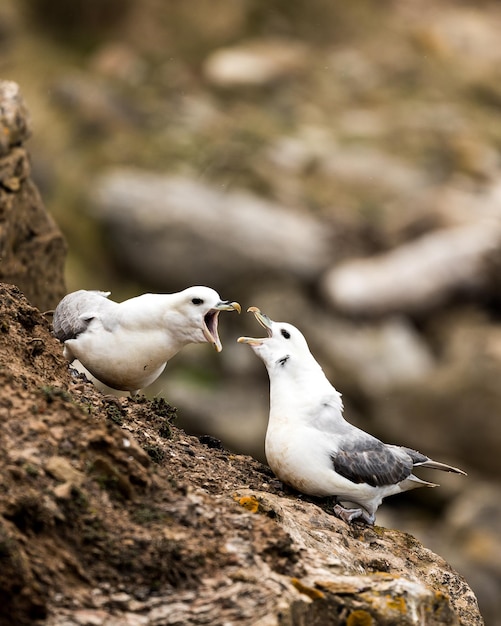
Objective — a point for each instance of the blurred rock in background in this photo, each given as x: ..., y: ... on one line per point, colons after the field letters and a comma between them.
x: 180, y: 228
x: 32, y: 248
x: 337, y: 165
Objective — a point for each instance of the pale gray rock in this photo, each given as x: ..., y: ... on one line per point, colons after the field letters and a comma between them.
x: 369, y: 166
x: 469, y: 34
x: 416, y: 276
x: 294, y: 153
x: 255, y: 63
x: 461, y: 204
x: 177, y: 231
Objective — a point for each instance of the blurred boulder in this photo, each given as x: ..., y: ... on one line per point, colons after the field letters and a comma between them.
x: 32, y: 249
x: 294, y: 154
x: 366, y: 166
x: 169, y: 230
x: 255, y: 63
x: 417, y: 276
x: 453, y: 412
x: 468, y: 33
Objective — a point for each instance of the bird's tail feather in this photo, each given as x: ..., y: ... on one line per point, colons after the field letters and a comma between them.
x: 412, y: 482
x: 439, y: 466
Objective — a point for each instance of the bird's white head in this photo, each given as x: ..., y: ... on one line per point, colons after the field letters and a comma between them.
x: 198, y: 308
x: 283, y: 349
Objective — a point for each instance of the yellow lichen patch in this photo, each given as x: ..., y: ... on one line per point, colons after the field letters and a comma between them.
x: 359, y: 618
x: 248, y: 502
x: 311, y: 592
x: 397, y: 603
x: 440, y: 597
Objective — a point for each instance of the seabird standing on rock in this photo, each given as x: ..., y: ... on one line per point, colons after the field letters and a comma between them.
x: 126, y: 345
x: 311, y: 447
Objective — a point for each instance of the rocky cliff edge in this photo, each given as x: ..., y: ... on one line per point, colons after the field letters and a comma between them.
x: 109, y: 515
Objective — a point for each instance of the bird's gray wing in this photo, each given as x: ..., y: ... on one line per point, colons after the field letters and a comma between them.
x: 365, y: 459
x: 75, y: 312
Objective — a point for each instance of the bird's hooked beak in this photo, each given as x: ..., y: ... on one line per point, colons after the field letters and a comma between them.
x: 211, y: 319
x: 265, y: 322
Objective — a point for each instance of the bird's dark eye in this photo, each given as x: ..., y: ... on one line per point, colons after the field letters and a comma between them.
x: 197, y: 301
x: 285, y: 333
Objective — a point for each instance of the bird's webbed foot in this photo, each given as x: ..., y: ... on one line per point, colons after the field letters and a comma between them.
x: 75, y: 373
x: 350, y: 515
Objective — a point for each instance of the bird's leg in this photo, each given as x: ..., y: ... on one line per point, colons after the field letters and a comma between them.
x: 279, y: 485
x: 350, y: 515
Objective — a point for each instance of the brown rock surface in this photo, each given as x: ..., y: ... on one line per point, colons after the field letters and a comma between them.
x: 32, y: 249
x: 111, y: 515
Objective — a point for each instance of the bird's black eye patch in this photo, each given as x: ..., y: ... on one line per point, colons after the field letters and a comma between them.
x: 197, y: 301
x: 285, y: 333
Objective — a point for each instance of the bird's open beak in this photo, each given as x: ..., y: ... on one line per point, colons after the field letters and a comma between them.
x: 265, y: 322
x: 211, y: 319
x: 226, y: 305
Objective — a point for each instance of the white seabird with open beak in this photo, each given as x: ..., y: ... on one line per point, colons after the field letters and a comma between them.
x: 126, y: 345
x: 311, y: 447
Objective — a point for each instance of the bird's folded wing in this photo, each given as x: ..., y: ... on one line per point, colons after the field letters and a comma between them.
x: 75, y: 312
x: 371, y: 461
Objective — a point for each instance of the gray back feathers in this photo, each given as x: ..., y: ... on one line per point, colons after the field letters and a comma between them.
x: 75, y: 312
